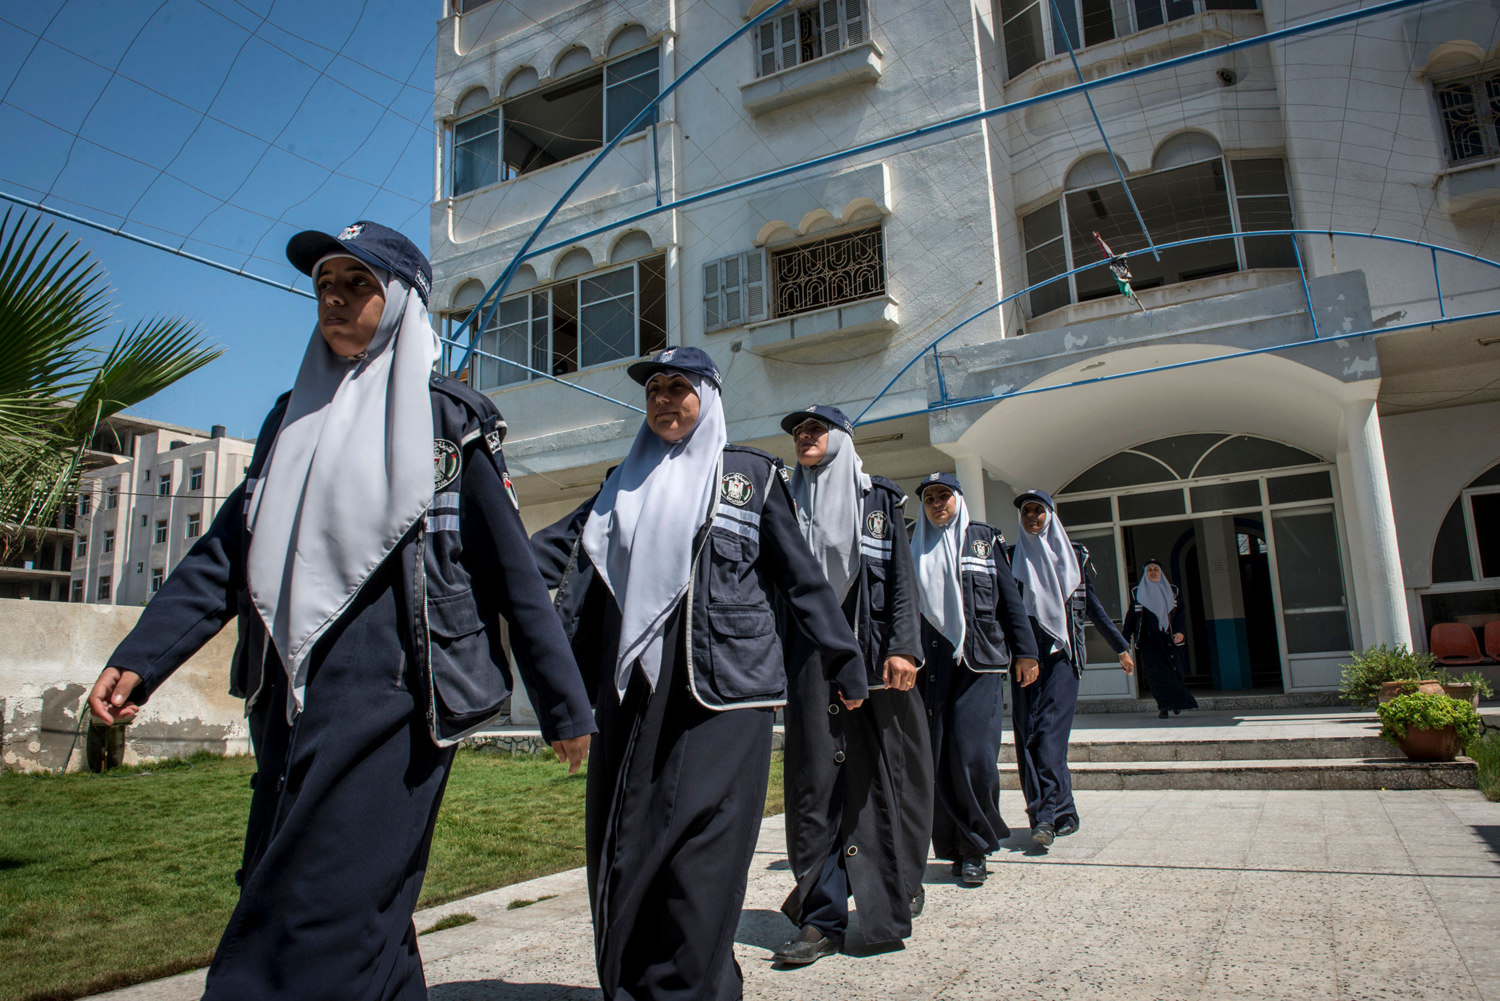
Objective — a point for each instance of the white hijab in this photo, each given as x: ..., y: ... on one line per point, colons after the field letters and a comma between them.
x: 831, y: 507
x: 1047, y: 569
x: 640, y: 532
x: 1157, y: 597
x: 936, y: 552
x: 348, y: 475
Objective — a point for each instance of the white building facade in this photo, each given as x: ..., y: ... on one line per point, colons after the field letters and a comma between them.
x: 138, y: 517
x: 1294, y: 425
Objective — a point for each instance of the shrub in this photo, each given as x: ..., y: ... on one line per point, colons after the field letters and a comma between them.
x: 1363, y: 676
x: 1427, y: 711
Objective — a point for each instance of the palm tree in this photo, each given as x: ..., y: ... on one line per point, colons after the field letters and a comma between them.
x: 56, y: 386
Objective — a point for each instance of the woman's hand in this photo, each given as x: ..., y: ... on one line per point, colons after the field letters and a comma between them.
x: 1127, y: 663
x: 900, y: 673
x: 1028, y: 670
x: 574, y: 752
x: 851, y: 704
x: 108, y: 700
x: 1177, y: 638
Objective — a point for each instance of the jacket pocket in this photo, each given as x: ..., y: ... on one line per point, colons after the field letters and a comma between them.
x: 728, y: 567
x: 745, y: 653
x: 465, y: 675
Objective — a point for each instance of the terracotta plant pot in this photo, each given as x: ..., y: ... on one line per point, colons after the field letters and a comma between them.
x: 1431, y: 745
x: 1463, y: 693
x: 1390, y: 689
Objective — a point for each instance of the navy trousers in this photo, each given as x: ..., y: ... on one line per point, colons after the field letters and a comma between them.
x: 968, y: 723
x: 1042, y: 716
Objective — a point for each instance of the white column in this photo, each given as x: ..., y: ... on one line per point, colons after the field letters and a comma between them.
x: 1383, y: 590
x: 970, y: 470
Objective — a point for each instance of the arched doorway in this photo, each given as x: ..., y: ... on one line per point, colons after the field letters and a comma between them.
x: 1246, y: 527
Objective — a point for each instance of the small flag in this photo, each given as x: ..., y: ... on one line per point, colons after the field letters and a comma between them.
x: 1121, y: 271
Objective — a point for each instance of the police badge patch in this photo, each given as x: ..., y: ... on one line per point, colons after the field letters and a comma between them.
x: 981, y: 549
x: 350, y: 232
x: 877, y: 524
x: 446, y: 460
x: 735, y: 488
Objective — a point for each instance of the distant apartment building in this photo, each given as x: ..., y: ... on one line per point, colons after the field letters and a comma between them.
x: 137, y: 517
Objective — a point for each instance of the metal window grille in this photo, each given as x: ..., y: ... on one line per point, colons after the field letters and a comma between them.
x: 1470, y: 113
x: 829, y: 272
x: 804, y: 34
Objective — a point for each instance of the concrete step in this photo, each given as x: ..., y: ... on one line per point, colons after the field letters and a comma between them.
x: 1220, y: 703
x: 1285, y: 773
x: 1267, y: 748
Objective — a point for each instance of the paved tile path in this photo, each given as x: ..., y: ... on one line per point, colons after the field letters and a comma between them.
x: 1162, y: 895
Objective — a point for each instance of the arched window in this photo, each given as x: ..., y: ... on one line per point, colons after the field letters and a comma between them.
x: 1193, y: 192
x: 1468, y: 542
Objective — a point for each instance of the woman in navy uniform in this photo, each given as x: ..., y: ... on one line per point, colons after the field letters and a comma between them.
x: 974, y: 627
x: 367, y: 575
x: 858, y: 784
x: 1054, y: 575
x: 665, y: 583
x: 1154, y: 625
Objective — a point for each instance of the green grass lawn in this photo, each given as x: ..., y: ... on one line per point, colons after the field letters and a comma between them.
x: 1486, y: 753
x: 110, y: 880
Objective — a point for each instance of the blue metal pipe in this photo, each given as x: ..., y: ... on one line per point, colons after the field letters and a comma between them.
x: 1120, y: 173
x: 1294, y: 233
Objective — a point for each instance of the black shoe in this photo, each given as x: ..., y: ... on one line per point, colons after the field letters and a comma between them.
x: 1043, y: 833
x: 1162, y: 714
x: 1067, y: 827
x: 956, y: 868
x: 918, y: 901
x: 809, y: 946
x: 972, y: 872
x: 1176, y: 712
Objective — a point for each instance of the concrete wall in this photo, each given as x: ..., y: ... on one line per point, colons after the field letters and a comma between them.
x: 51, y: 655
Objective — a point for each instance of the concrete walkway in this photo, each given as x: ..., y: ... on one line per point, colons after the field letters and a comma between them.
x: 1203, y: 894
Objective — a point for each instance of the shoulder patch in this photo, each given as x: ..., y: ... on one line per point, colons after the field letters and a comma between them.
x: 492, y: 440
x: 736, y: 489
x: 510, y: 490
x: 981, y: 549
x: 877, y: 524
x: 446, y: 462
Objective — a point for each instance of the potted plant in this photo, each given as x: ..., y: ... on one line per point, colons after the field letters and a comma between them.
x: 1381, y: 665
x: 1428, y: 726
x: 1471, y: 686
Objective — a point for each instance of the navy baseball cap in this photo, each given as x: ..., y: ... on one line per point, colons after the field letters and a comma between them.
x: 694, y: 361
x: 939, y: 480
x: 1040, y: 496
x: 831, y: 417
x: 378, y: 246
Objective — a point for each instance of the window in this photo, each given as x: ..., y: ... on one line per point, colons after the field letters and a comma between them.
x: 194, y: 525
x: 590, y: 320
x: 102, y: 594
x: 544, y: 126
x: 161, y: 533
x: 802, y: 35
x: 76, y: 595
x: 109, y: 541
x: 195, y: 478
x: 1470, y: 113
x: 111, y: 498
x: 82, y: 549
x: 1468, y: 542
x: 734, y: 290
x: 85, y: 504
x: 1031, y: 38
x: 828, y: 272
x: 143, y: 520
x: 145, y: 477
x: 1199, y: 199
x: 140, y: 567
x: 164, y: 485
x: 157, y: 576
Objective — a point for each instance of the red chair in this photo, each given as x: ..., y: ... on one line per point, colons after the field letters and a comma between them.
x: 1492, y: 639
x: 1454, y: 643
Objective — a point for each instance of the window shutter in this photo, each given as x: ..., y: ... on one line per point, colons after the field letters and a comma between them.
x: 755, y: 285
x: 828, y: 26
x: 768, y: 48
x: 855, y: 27
x: 734, y: 306
x: 713, y: 297
x: 786, y: 30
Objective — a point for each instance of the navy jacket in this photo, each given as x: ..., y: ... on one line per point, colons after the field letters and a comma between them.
x: 996, y: 628
x: 463, y: 565
x: 1082, y: 603
x: 882, y: 603
x: 1141, y: 618
x: 748, y: 551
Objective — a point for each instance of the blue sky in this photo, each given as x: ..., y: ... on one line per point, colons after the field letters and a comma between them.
x: 221, y: 127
